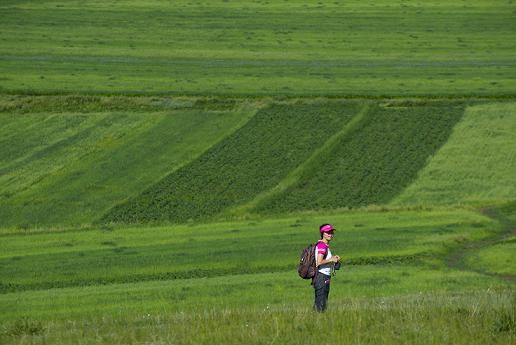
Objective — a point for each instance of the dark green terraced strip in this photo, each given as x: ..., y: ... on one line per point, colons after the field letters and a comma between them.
x: 252, y: 160
x: 374, y: 162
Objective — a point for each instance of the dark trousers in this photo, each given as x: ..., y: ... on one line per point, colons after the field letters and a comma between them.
x: 322, y: 290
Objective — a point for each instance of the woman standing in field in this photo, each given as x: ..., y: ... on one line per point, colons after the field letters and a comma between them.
x: 325, y: 263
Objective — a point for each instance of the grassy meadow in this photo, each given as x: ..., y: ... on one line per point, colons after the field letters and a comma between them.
x: 296, y: 47
x: 163, y: 164
x: 72, y: 166
x: 236, y: 279
x: 415, y: 270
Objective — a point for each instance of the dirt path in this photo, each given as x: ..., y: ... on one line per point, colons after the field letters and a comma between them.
x: 457, y: 258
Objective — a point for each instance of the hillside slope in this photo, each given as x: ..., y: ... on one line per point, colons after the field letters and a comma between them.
x: 252, y: 160
x: 302, y: 156
x: 70, y: 168
x: 225, y: 159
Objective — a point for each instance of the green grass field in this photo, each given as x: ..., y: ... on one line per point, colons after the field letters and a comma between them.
x: 72, y: 167
x: 148, y: 277
x: 294, y: 47
x: 163, y: 164
x: 65, y: 276
x: 254, y: 159
x: 165, y: 253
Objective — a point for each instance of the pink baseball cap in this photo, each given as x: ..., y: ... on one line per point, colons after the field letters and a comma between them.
x: 326, y: 228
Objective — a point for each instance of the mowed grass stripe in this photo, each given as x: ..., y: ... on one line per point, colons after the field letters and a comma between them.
x: 252, y: 160
x: 476, y: 166
x: 374, y: 162
x: 67, y: 174
x: 30, y: 135
x: 289, y: 48
x: 254, y: 291
x: 101, y: 257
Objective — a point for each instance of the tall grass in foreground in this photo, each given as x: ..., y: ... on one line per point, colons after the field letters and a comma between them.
x: 483, y: 317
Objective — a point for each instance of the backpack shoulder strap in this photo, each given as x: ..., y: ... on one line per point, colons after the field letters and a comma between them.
x: 317, y: 256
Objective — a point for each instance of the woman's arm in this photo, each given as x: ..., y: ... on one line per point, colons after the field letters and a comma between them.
x: 322, y: 261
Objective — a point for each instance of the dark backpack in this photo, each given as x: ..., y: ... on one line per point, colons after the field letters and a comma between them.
x: 306, y: 267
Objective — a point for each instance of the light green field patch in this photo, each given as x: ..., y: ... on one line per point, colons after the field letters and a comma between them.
x: 477, y: 164
x: 61, y: 284
x: 500, y: 258
x: 250, y: 290
x: 68, y: 168
x: 113, y: 256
